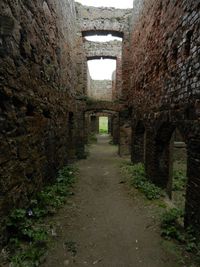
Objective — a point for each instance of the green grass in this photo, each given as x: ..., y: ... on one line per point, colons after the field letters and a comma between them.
x: 29, y: 234
x: 103, y: 125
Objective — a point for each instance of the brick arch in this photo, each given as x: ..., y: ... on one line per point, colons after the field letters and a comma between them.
x: 113, y: 123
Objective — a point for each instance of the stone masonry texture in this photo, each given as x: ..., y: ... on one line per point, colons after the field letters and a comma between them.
x: 162, y: 87
x: 46, y: 113
x: 38, y: 84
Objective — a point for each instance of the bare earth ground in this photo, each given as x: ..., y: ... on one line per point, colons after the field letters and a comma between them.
x: 103, y: 225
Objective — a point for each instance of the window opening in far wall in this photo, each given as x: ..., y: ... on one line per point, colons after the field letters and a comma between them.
x: 103, y: 125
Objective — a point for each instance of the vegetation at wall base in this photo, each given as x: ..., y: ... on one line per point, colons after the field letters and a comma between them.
x: 179, y: 180
x: 171, y: 229
x: 29, y: 235
x: 137, y: 177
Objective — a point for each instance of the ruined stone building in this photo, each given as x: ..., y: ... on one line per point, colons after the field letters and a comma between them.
x: 49, y: 103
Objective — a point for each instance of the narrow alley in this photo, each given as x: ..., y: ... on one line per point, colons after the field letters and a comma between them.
x: 122, y: 80
x: 108, y: 227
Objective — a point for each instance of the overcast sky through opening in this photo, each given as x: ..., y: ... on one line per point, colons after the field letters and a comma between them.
x: 101, y: 69
x: 102, y: 38
x: 108, y: 3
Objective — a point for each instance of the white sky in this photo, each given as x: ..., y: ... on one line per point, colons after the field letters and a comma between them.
x: 106, y: 38
x: 101, y: 69
x: 107, y: 3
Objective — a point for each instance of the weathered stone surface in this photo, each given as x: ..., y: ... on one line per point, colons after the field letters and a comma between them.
x: 94, y: 19
x: 100, y: 90
x: 112, y: 49
x: 161, y: 85
x: 38, y: 86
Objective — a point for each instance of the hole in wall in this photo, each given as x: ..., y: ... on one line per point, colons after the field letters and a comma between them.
x: 30, y: 110
x: 188, y: 42
x: 46, y: 113
x: 107, y: 3
x: 101, y: 69
x: 175, y: 53
x: 103, y: 125
x: 103, y: 38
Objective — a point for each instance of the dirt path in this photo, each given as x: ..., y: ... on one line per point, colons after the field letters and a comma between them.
x: 104, y: 226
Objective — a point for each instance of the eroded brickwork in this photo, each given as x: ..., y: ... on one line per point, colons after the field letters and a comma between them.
x: 103, y: 19
x: 164, y: 89
x: 112, y: 49
x: 45, y: 112
x: 38, y: 75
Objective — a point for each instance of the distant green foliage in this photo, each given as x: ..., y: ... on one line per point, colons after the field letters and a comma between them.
x: 103, y: 125
x: 138, y: 180
x: 29, y: 237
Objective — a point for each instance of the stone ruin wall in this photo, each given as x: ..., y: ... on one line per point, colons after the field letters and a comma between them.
x: 103, y: 19
x: 110, y: 50
x: 38, y: 74
x: 163, y: 88
x: 95, y: 20
x: 100, y: 90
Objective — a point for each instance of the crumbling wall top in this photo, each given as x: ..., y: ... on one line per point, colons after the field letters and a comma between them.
x: 93, y: 19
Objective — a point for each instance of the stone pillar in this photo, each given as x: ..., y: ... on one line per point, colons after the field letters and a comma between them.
x: 80, y: 135
x: 124, y: 133
x: 115, y: 129
x: 192, y: 208
x: 94, y: 124
x: 71, y: 151
x: 138, y: 144
x: 109, y: 125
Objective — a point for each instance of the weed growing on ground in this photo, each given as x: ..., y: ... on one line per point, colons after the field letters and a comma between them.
x: 29, y: 236
x: 136, y: 174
